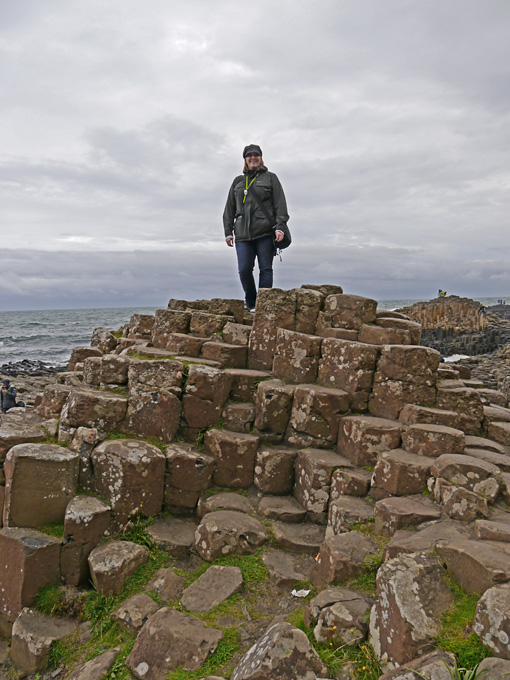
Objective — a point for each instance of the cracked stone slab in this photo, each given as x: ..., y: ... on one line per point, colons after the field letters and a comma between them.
x: 213, y: 587
x: 176, y: 536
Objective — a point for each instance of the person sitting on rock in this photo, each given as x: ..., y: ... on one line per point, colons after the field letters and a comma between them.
x: 8, y: 396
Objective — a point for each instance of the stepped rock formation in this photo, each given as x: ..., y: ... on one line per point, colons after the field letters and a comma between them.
x: 330, y: 431
x: 455, y: 325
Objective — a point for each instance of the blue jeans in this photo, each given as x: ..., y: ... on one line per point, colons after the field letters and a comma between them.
x: 262, y: 249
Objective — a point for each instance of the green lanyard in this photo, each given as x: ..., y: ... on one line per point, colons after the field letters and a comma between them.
x: 249, y: 185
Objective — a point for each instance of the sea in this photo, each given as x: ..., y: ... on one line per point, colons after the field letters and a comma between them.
x: 49, y: 336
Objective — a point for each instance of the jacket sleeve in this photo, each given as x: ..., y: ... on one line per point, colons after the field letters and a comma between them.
x: 229, y: 213
x: 279, y: 203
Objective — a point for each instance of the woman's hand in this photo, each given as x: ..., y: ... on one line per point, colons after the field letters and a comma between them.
x: 278, y: 235
x: 230, y: 241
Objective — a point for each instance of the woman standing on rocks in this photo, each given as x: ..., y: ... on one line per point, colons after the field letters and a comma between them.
x: 256, y: 216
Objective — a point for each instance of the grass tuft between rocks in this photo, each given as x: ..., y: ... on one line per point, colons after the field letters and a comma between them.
x: 360, y: 658
x: 456, y: 635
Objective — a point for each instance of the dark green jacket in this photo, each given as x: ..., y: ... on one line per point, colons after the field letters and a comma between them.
x: 246, y: 220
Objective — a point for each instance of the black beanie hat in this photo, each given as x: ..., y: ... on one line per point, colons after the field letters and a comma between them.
x: 6, y: 382
x: 252, y: 148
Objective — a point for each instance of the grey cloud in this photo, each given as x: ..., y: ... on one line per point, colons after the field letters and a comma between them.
x: 122, y: 130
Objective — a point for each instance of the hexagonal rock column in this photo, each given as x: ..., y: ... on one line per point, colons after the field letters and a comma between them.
x: 274, y: 470
x: 188, y: 474
x: 92, y: 371
x: 347, y: 511
x: 470, y: 473
x: 381, y: 335
x: 412, y: 414
x: 433, y: 440
x: 492, y: 621
x: 303, y: 539
x: 457, y: 502
x: 40, y: 480
x: 340, y: 616
x: 316, y: 412
x: 33, y: 634
x: 86, y: 521
x: 103, y: 410
x: 213, y: 587
x: 341, y: 558
x: 412, y: 328
x: 438, y: 664
x: 134, y: 612
x: 166, y: 322
x: 362, y: 438
x: 405, y: 374
x: 205, y: 393
x: 225, y: 500
x: 97, y: 667
x: 29, y: 561
x: 234, y: 453
x: 238, y: 417
x: 314, y: 468
x: 228, y: 306
x: 130, y: 474
x: 400, y: 473
x: 348, y: 366
x: 103, y: 339
x: 112, y: 563
x: 395, y: 513
x: 406, y: 617
x: 296, y: 356
x: 154, y: 407
x: 174, y: 535
x: 14, y: 433
x: 146, y: 376
x: 466, y: 402
x: 349, y: 483
x: 308, y: 306
x: 236, y: 334
x: 283, y: 652
x: 349, y: 311
x: 476, y: 565
x: 227, y: 532
x: 275, y: 309
x: 171, y: 639
x: 83, y: 442
x: 79, y: 354
x: 225, y: 354
x: 139, y: 326
x: 244, y: 382
x: 53, y: 399
x: 273, y: 403
x: 500, y: 432
x: 114, y: 369
x: 155, y: 414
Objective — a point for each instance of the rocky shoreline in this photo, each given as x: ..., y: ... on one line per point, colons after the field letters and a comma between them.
x: 27, y: 367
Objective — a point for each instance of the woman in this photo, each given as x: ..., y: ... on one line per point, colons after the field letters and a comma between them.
x: 256, y: 216
x: 8, y: 396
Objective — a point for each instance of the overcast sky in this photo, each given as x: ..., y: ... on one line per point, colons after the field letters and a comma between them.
x: 123, y: 124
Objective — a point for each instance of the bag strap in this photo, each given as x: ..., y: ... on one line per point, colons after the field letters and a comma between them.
x: 262, y: 206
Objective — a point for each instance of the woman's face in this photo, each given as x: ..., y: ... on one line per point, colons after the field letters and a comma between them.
x: 253, y: 160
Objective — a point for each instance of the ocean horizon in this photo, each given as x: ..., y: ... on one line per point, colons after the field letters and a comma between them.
x: 50, y: 335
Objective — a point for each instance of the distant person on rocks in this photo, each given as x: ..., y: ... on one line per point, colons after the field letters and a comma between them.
x: 255, y: 197
x: 8, y: 396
